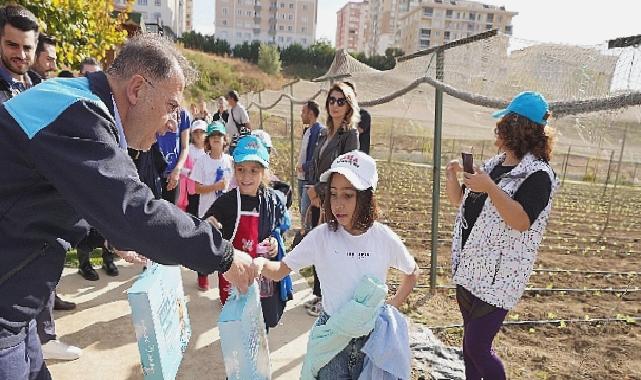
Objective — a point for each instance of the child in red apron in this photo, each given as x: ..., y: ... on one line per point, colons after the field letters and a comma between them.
x: 249, y: 214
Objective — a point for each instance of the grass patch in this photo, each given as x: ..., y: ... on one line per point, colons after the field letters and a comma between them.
x: 95, y: 258
x: 218, y: 75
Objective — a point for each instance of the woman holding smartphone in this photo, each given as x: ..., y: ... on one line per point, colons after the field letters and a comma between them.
x: 496, y: 240
x: 340, y: 136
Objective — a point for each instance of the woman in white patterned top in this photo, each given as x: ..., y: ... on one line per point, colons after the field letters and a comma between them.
x: 496, y: 240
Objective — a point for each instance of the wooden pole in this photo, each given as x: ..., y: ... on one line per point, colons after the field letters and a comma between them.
x: 616, y: 181
x: 565, y: 166
x: 607, y: 177
x: 616, y: 177
x: 260, y: 110
x: 391, y: 143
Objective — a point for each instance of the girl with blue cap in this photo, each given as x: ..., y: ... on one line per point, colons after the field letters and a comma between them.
x: 252, y: 216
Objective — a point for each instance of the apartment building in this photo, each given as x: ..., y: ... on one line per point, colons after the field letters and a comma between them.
x: 189, y: 15
x: 280, y: 22
x: 351, y: 26
x: 169, y: 13
x: 382, y: 25
x: 435, y: 22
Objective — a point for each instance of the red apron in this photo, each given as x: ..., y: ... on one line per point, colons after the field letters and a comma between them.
x: 245, y: 238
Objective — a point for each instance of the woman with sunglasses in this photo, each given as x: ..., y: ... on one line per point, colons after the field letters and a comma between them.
x: 340, y: 136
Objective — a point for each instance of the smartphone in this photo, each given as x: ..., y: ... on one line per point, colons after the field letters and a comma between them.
x: 468, y: 162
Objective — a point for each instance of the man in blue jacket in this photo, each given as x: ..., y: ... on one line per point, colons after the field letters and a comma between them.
x: 309, y: 116
x: 63, y: 148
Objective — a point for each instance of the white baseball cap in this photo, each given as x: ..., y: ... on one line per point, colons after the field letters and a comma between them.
x: 358, y: 167
x: 264, y: 137
x: 199, y: 125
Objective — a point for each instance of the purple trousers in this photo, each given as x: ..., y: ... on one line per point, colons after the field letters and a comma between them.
x: 481, y: 322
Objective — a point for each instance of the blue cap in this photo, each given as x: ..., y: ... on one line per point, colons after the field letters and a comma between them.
x: 250, y: 148
x: 216, y: 127
x: 530, y: 104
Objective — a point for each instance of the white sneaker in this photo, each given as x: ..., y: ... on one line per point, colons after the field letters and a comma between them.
x: 57, y: 350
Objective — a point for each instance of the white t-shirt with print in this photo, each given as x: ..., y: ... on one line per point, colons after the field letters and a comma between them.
x: 342, y: 259
x: 204, y: 172
x: 196, y: 153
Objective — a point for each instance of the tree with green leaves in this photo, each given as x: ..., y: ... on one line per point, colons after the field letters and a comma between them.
x: 269, y: 59
x: 82, y: 28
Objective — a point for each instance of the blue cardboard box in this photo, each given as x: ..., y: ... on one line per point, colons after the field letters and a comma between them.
x: 159, y: 313
x: 243, y: 337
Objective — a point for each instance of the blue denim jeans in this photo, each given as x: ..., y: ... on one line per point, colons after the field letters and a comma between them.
x: 303, y: 203
x: 348, y: 364
x: 24, y: 361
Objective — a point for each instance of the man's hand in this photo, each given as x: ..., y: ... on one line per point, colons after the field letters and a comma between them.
x: 172, y: 180
x: 131, y: 257
x: 299, y: 168
x: 242, y: 272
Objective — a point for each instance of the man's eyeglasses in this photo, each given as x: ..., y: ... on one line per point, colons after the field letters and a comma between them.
x: 173, y: 108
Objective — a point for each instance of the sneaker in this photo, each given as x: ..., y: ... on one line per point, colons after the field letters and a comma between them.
x: 57, y: 350
x: 315, y: 310
x: 309, y: 304
x: 203, y: 282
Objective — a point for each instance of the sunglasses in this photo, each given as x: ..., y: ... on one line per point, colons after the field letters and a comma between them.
x: 338, y: 101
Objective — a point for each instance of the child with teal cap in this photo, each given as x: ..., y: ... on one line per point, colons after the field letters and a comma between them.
x: 253, y: 215
x: 212, y: 175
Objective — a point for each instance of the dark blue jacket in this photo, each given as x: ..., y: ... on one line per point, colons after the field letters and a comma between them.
x: 61, y: 162
x: 311, y: 145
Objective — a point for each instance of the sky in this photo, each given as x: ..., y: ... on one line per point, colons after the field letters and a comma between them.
x: 578, y: 22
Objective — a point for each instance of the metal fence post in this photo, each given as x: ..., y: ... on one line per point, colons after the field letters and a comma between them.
x: 436, y: 169
x: 291, y: 138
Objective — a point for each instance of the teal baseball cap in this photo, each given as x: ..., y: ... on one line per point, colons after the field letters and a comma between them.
x: 529, y: 104
x: 250, y: 148
x: 216, y: 127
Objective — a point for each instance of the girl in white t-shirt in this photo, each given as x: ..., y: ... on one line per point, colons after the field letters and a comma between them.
x: 212, y: 174
x: 348, y: 247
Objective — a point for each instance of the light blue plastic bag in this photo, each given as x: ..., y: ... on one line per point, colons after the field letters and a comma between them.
x: 159, y: 313
x: 243, y: 337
